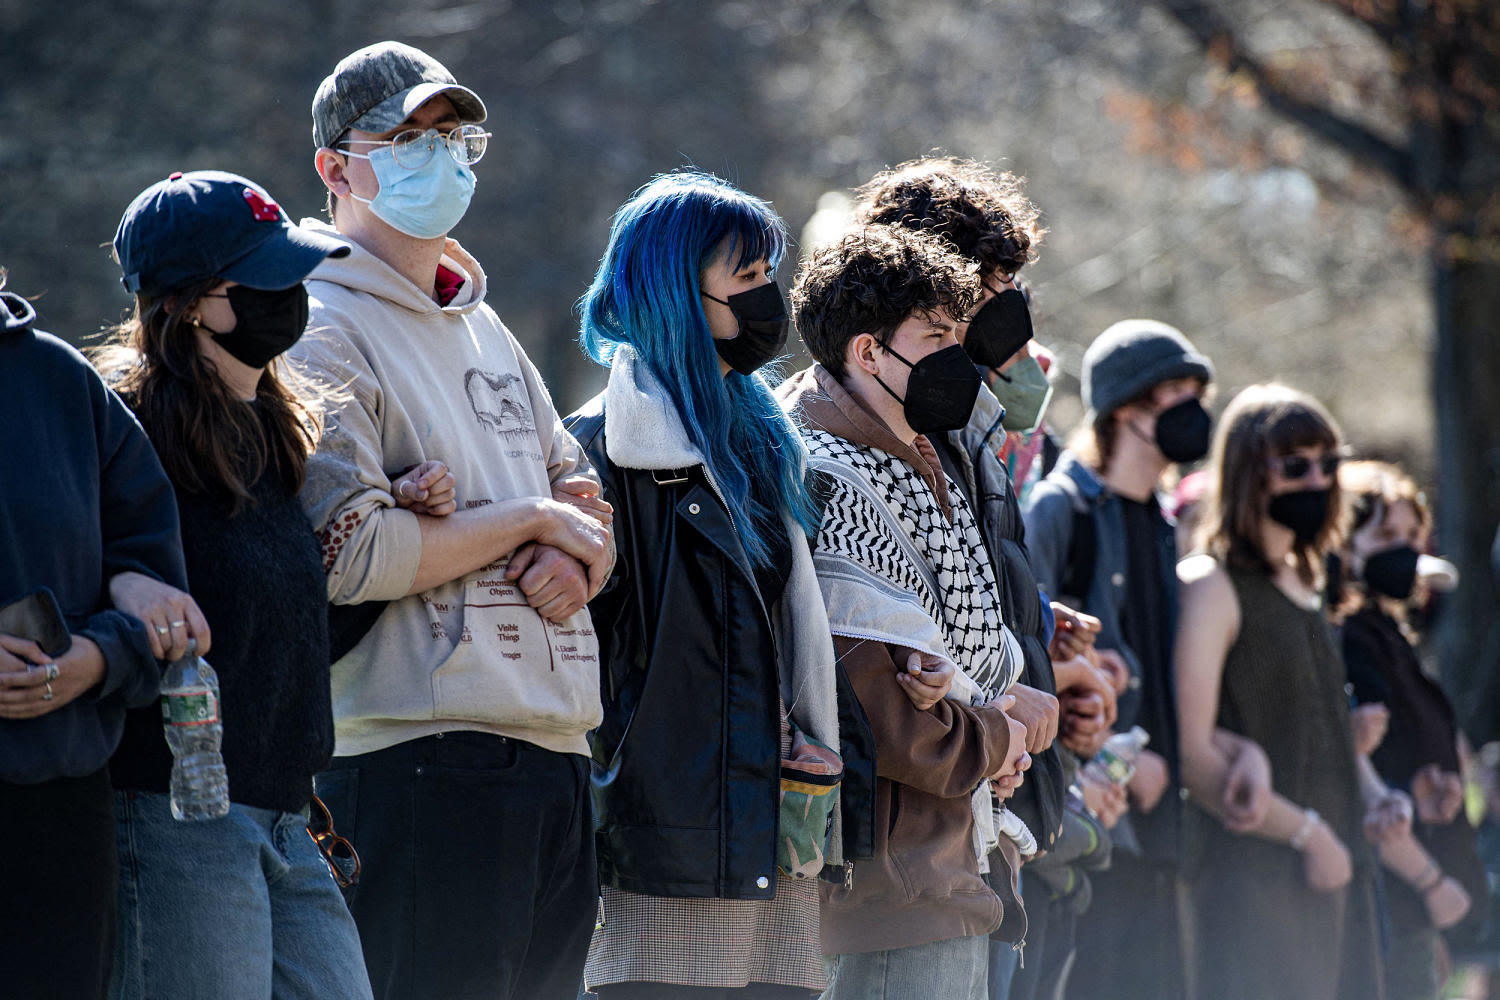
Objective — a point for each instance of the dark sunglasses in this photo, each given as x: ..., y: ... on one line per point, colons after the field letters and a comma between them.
x: 342, y: 859
x: 1298, y: 466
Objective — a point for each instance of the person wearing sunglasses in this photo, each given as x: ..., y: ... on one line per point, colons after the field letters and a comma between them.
x: 472, y: 678
x: 1283, y: 907
x: 241, y: 905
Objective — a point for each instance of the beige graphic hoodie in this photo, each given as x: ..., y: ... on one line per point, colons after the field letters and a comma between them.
x: 446, y: 382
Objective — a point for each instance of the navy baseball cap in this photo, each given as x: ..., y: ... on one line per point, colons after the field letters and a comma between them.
x: 211, y: 224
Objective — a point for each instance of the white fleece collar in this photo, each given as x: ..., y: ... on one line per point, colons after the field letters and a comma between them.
x: 645, y: 431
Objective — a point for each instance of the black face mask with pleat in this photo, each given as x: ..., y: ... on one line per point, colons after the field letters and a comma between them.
x: 940, y: 391
x: 266, y: 323
x: 762, y: 316
x: 1000, y: 328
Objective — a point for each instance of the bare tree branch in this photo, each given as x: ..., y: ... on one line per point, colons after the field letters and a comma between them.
x: 1216, y: 36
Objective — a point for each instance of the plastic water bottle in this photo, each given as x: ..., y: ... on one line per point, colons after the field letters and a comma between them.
x: 1116, y: 759
x: 190, y: 716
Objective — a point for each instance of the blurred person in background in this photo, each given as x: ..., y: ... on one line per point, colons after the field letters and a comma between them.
x: 1416, y: 743
x: 242, y: 905
x: 904, y: 572
x: 83, y: 498
x: 1282, y: 907
x: 1099, y: 539
x: 718, y: 664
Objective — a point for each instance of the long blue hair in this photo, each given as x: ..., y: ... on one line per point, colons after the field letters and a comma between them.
x: 647, y: 294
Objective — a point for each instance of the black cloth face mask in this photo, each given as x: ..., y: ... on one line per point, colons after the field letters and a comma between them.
x: 761, y: 314
x: 1183, y: 431
x: 1000, y: 328
x: 940, y: 391
x: 1304, y: 511
x: 266, y: 323
x: 1392, y: 572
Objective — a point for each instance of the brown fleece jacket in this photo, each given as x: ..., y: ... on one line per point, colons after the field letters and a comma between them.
x: 923, y: 884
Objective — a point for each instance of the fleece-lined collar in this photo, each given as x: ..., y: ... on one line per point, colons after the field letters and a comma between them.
x: 645, y: 431
x: 821, y: 403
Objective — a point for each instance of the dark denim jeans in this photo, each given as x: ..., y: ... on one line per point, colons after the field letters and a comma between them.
x: 479, y: 877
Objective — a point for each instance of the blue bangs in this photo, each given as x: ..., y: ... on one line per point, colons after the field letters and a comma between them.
x: 646, y: 293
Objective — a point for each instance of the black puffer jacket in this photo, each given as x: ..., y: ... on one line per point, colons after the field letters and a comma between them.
x: 686, y: 762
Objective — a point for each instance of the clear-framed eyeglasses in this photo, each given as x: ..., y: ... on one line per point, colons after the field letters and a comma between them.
x: 414, y: 147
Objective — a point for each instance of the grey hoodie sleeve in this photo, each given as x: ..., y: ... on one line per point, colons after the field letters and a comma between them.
x: 371, y: 548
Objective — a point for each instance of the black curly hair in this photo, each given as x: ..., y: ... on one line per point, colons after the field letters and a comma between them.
x: 985, y: 215
x: 871, y: 281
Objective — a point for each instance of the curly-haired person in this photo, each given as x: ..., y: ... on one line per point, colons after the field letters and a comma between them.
x: 903, y: 570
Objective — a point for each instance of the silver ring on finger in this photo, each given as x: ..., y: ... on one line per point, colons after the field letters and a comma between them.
x: 162, y: 630
x: 179, y: 623
x: 47, y: 694
x: 51, y: 670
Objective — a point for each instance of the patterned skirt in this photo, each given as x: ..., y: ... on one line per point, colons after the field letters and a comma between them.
x: 725, y: 943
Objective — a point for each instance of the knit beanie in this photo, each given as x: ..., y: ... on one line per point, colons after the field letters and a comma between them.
x: 1133, y: 355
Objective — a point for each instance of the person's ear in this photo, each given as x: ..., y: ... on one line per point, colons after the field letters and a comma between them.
x: 861, y: 354
x: 330, y: 166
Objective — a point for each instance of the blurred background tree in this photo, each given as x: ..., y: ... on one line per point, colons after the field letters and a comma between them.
x: 1183, y: 155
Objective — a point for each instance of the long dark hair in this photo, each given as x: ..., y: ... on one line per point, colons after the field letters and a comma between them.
x: 1261, y: 423
x: 208, y: 441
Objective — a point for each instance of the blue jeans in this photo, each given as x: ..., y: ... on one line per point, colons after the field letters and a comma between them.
x: 956, y: 969
x: 241, y: 906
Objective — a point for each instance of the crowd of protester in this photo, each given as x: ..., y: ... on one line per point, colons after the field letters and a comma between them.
x: 728, y: 683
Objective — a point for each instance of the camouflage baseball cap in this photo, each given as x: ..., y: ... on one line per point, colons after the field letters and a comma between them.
x: 378, y: 87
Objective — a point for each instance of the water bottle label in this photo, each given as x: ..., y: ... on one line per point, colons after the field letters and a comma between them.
x: 196, y: 708
x: 1116, y: 767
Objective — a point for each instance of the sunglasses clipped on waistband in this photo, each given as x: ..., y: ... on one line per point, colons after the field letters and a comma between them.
x: 1298, y: 466
x: 342, y: 859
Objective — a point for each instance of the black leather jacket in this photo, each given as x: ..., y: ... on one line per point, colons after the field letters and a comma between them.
x: 686, y: 772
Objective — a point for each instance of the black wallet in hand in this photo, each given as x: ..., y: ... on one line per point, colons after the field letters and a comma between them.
x: 37, y: 617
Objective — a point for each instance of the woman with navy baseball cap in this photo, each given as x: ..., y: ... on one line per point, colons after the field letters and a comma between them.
x: 243, y: 905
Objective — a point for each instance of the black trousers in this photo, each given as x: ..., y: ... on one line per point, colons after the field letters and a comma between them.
x: 58, y: 887
x: 479, y: 877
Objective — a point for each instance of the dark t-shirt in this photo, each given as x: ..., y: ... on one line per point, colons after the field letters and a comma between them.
x: 1143, y: 614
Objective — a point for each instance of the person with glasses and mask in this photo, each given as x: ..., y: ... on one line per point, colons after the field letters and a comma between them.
x: 1282, y: 907
x: 1099, y: 542
x: 464, y: 697
x: 240, y: 905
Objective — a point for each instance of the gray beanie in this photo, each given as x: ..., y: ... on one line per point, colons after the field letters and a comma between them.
x: 1133, y: 355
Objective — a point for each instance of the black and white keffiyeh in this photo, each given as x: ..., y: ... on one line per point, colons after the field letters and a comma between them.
x: 893, y: 568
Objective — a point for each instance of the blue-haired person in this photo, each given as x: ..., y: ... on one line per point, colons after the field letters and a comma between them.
x: 717, y: 666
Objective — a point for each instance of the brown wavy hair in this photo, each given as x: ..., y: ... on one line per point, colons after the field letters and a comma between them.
x: 1261, y: 423
x: 208, y: 441
x: 871, y: 281
x: 985, y: 215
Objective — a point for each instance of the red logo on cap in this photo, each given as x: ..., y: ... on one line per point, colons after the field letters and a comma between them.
x: 264, y: 209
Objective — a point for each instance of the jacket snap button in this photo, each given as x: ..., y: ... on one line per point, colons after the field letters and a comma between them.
x: 762, y: 882
x: 1118, y: 579
x: 693, y: 509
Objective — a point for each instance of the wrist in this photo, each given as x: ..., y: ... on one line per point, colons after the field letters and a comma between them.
x: 1311, y: 823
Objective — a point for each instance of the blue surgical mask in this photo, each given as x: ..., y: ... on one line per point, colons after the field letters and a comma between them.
x: 426, y: 202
